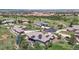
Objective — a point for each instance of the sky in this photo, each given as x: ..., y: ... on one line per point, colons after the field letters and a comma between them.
x: 39, y: 4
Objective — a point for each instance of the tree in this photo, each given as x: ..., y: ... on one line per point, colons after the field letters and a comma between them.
x: 39, y: 46
x: 0, y: 22
x: 72, y: 40
x: 60, y: 26
x: 75, y: 20
x: 39, y: 19
x: 76, y: 47
x: 71, y: 24
x: 23, y: 43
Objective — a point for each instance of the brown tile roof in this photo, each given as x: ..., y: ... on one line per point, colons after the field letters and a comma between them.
x: 39, y: 36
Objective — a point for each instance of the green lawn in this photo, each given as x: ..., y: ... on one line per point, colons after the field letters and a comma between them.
x: 60, y: 46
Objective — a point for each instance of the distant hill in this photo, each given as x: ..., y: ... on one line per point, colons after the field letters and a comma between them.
x: 37, y: 10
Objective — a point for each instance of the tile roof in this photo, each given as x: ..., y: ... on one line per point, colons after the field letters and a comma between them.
x: 39, y: 36
x: 41, y: 24
x: 8, y: 21
x: 50, y: 30
x: 19, y: 30
x: 75, y: 26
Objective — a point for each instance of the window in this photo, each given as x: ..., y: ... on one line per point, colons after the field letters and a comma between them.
x: 39, y: 36
x: 32, y: 36
x: 47, y: 35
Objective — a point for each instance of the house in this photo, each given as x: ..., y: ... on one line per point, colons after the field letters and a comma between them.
x: 70, y: 29
x: 77, y: 31
x: 23, y: 21
x: 40, y: 24
x: 18, y: 30
x: 45, y: 27
x: 52, y: 30
x: 76, y: 27
x: 63, y: 33
x: 29, y: 31
x: 39, y: 37
x: 73, y: 28
x: 77, y: 37
x: 8, y: 22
